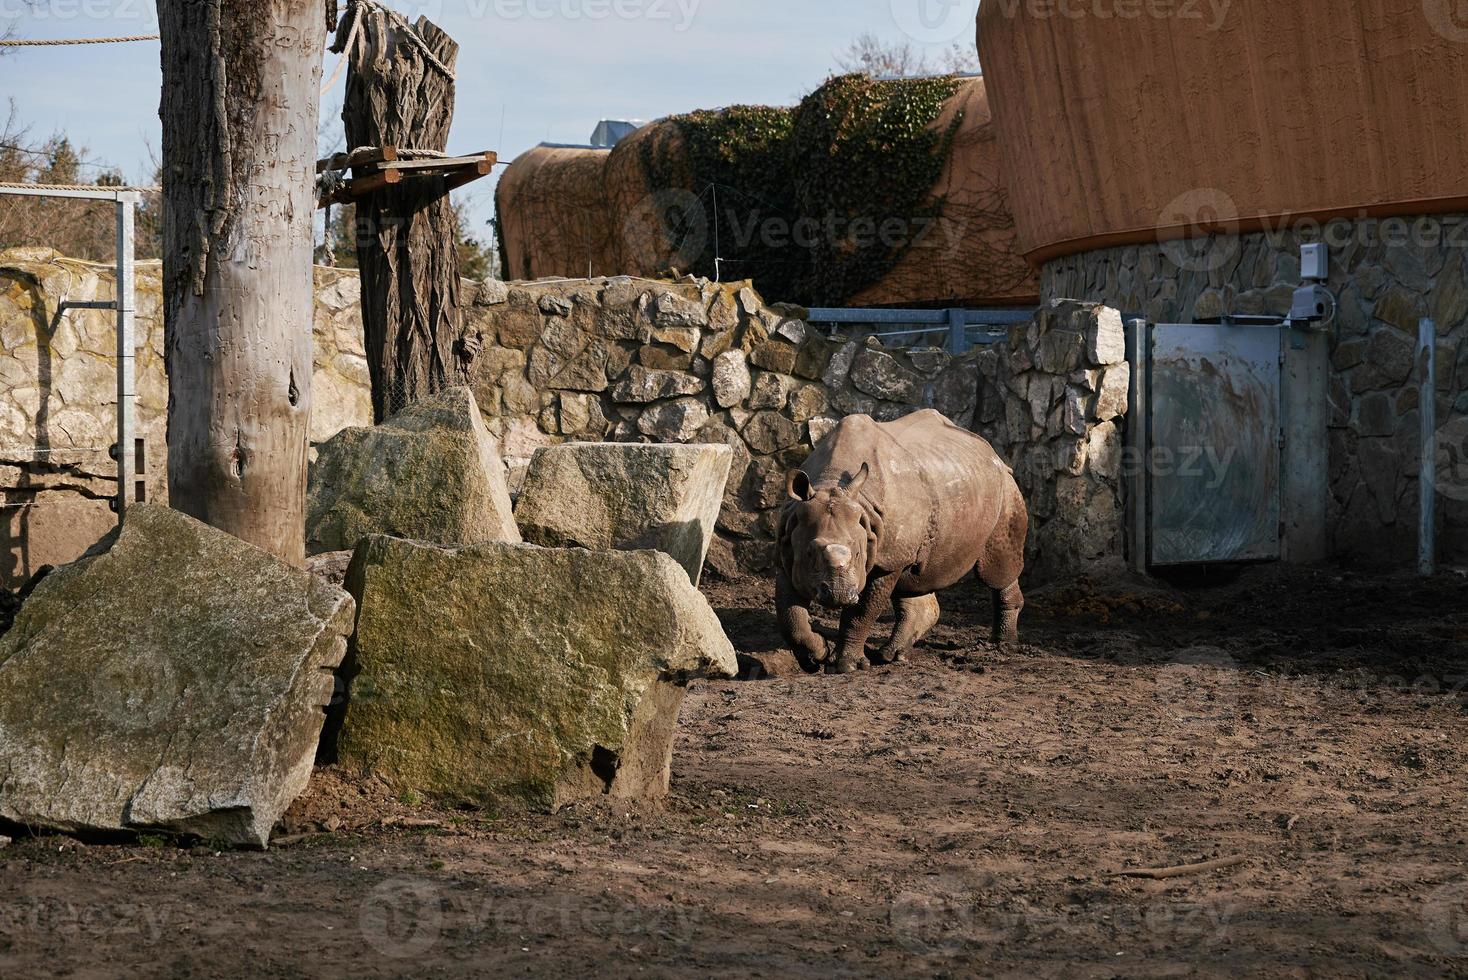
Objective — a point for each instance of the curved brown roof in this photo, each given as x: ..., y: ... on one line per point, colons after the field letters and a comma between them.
x: 564, y: 211
x: 1222, y: 115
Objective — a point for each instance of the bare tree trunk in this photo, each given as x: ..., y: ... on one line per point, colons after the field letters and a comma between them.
x: 407, y: 233
x: 240, y: 95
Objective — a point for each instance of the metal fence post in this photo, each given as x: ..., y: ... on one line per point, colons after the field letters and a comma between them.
x: 126, y: 367
x: 1427, y: 478
x: 1138, y: 352
x: 957, y: 332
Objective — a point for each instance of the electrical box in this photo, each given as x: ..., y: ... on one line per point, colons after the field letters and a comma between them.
x: 1314, y: 261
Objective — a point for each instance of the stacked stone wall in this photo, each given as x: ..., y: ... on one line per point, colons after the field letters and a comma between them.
x: 1386, y: 274
x: 58, y: 392
x: 617, y: 359
x: 626, y: 359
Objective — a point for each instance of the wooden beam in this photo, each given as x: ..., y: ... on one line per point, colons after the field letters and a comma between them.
x: 455, y: 171
x: 437, y: 163
x: 468, y: 174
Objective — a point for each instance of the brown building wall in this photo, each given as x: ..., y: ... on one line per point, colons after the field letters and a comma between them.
x: 1115, y: 129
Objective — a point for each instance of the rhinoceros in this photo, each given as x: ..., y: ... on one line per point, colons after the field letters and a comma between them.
x: 892, y: 512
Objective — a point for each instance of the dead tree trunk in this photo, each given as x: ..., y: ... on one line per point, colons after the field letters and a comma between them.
x: 407, y: 233
x: 239, y: 107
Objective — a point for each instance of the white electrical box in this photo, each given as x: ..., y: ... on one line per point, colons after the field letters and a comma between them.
x: 1314, y: 261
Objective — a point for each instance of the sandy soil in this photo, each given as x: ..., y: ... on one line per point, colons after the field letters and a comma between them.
x: 963, y: 814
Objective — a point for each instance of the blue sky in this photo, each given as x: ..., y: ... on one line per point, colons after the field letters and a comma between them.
x: 529, y: 70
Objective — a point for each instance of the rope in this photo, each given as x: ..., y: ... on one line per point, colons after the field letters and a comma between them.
x: 428, y: 55
x: 79, y: 187
x: 411, y: 34
x: 346, y: 50
x: 77, y: 40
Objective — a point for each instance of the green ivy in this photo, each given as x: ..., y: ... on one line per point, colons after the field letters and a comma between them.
x: 804, y: 194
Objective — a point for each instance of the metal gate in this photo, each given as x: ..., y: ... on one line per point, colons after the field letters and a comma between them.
x: 1210, y: 396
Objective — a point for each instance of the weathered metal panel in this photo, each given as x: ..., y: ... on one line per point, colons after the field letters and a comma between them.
x: 1214, y: 465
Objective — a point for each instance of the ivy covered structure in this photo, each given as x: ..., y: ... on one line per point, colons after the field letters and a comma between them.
x: 868, y: 193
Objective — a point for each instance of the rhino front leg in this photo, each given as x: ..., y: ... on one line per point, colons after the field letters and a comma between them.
x: 915, y: 616
x: 857, y: 623
x: 793, y: 614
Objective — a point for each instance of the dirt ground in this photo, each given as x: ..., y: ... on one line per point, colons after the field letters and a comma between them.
x: 962, y: 814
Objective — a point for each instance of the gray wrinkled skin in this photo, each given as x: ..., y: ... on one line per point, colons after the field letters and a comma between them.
x: 890, y: 513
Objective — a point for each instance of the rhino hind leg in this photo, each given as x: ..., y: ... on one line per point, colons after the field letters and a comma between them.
x: 1008, y: 602
x: 915, y: 616
x: 1001, y: 565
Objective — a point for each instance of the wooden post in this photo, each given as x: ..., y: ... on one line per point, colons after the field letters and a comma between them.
x: 407, y: 233
x: 239, y: 107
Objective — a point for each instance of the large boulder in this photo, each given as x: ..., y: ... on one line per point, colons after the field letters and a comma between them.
x: 432, y: 473
x: 501, y: 673
x: 626, y: 497
x: 174, y: 679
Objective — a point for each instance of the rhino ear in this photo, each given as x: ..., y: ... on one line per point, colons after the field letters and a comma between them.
x: 854, y: 485
x: 797, y: 485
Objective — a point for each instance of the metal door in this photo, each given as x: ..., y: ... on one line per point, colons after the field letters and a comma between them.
x: 1213, y: 470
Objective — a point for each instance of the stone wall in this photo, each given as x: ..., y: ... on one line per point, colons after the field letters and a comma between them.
x: 637, y: 360
x: 58, y: 392
x: 616, y: 359
x: 1387, y: 274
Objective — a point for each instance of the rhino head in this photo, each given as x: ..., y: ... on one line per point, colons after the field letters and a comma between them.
x: 826, y: 539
